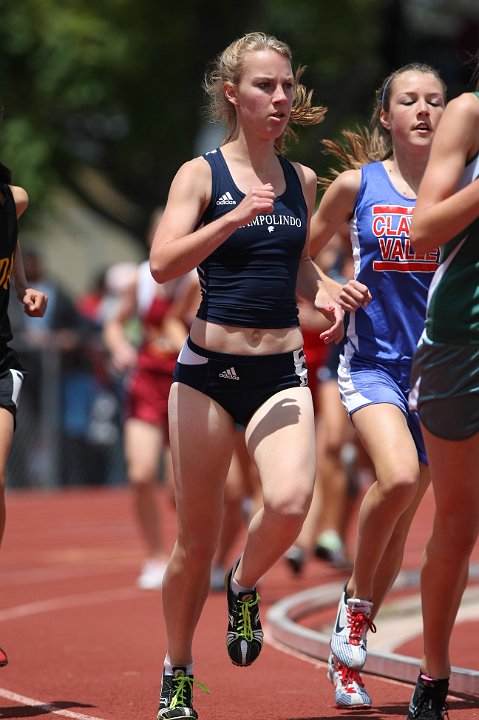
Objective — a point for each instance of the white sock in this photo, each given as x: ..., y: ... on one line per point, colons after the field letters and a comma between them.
x: 169, y: 667
x: 237, y: 588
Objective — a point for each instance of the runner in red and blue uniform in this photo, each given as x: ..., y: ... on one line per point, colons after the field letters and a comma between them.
x: 386, y: 300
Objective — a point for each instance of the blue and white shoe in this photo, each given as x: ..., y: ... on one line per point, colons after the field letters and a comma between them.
x: 349, y: 689
x: 348, y: 641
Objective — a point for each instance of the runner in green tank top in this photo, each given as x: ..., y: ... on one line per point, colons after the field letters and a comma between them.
x: 446, y: 386
x: 453, y: 315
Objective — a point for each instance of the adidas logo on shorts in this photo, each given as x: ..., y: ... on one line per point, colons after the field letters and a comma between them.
x: 226, y: 199
x: 229, y: 374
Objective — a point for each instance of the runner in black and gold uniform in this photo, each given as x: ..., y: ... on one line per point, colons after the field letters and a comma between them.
x: 13, y: 202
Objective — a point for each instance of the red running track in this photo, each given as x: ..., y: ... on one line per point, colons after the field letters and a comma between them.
x: 84, y: 642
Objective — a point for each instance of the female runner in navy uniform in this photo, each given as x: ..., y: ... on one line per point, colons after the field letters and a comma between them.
x: 13, y: 203
x: 387, y: 303
x: 241, y: 214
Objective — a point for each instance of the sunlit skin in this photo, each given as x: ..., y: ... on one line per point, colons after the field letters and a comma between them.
x: 262, y: 99
x: 264, y: 95
x: 279, y: 435
x: 416, y: 106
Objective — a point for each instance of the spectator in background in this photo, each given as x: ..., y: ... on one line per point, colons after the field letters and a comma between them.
x: 89, y: 303
x: 147, y: 369
x: 55, y: 350
x: 99, y: 303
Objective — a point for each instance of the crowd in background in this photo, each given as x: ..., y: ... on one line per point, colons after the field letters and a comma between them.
x: 69, y: 429
x: 71, y: 416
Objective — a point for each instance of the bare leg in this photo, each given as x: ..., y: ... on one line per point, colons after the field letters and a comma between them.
x: 233, y: 510
x: 332, y: 432
x: 202, y: 437
x: 6, y: 438
x: 143, y: 447
x: 396, y: 465
x: 391, y: 562
x: 309, y: 530
x: 281, y: 439
x: 455, y: 478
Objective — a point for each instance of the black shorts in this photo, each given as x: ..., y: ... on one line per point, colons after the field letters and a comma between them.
x: 12, y: 376
x: 11, y: 382
x: 445, y: 389
x: 240, y: 383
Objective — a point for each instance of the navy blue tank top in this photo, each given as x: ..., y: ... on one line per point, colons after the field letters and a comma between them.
x: 250, y: 279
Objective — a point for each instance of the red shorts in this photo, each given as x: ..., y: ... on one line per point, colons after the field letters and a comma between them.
x: 147, y: 397
x: 316, y: 353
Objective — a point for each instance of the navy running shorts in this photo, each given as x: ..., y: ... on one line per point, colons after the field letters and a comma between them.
x: 239, y: 383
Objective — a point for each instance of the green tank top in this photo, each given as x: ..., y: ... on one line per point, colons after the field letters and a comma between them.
x: 453, y: 305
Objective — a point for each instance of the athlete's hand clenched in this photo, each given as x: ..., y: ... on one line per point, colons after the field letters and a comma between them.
x: 353, y: 295
x: 333, y: 312
x: 260, y: 199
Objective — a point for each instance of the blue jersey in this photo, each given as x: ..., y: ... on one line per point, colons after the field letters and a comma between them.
x: 250, y: 279
x: 397, y: 277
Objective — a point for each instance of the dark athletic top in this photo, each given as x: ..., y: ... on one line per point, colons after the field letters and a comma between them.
x: 8, y: 244
x: 250, y: 279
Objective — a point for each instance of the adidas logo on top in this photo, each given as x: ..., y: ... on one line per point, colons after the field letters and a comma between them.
x: 229, y: 374
x: 226, y: 199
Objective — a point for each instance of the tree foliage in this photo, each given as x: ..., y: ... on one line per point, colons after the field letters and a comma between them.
x: 105, y: 97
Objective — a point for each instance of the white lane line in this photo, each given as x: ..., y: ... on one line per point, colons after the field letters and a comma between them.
x: 62, y: 603
x: 42, y: 575
x: 54, y: 709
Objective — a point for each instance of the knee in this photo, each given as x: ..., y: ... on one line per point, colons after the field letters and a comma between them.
x: 400, y: 489
x: 201, y: 554
x: 289, y: 512
x: 141, y: 479
x: 333, y: 444
x: 198, y: 549
x: 455, y: 535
